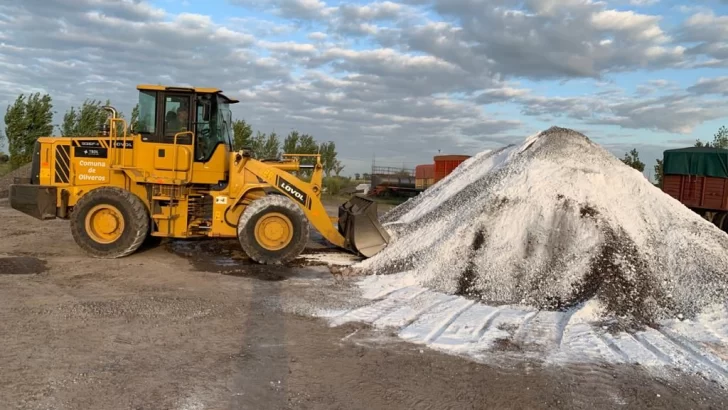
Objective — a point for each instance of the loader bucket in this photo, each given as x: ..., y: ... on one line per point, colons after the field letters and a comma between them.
x: 359, y: 224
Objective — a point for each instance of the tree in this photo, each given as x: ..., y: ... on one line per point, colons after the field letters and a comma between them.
x: 699, y: 143
x: 328, y: 156
x: 242, y: 135
x: 357, y: 176
x: 4, y: 158
x: 263, y: 146
x: 86, y: 121
x: 307, y: 145
x: 632, y: 159
x: 366, y: 176
x: 134, y: 123
x: 720, y: 139
x: 296, y: 143
x: 290, y: 144
x: 658, y: 173
x: 338, y: 167
x: 256, y: 144
x: 270, y: 147
x: 26, y: 120
x: 69, y: 123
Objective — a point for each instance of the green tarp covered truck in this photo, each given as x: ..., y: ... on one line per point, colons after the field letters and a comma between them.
x: 698, y: 177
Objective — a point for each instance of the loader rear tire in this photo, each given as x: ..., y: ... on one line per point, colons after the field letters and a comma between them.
x: 273, y: 230
x: 109, y: 223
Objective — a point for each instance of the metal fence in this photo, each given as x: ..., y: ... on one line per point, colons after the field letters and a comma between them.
x: 377, y: 170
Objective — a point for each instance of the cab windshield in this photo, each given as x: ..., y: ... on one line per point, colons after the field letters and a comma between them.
x: 226, y: 121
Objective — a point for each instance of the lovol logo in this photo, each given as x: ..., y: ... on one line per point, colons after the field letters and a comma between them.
x: 292, y: 191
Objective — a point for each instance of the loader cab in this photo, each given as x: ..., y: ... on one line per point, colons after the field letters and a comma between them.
x: 199, y: 118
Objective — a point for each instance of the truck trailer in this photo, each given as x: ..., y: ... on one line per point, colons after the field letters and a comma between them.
x: 698, y: 178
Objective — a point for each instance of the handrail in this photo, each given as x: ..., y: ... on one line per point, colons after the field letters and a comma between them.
x: 316, y: 176
x: 296, y: 156
x: 300, y: 155
x: 174, y: 146
x: 113, y: 138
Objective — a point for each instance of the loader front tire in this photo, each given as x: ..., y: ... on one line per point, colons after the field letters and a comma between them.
x: 109, y: 223
x: 273, y: 230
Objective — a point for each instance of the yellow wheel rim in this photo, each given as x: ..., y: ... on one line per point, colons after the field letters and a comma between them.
x: 104, y: 223
x: 274, y: 231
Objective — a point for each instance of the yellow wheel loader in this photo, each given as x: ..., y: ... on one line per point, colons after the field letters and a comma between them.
x: 176, y: 176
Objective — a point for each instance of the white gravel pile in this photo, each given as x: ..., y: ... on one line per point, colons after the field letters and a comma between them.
x: 553, y: 223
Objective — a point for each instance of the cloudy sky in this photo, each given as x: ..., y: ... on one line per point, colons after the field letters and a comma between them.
x: 400, y: 80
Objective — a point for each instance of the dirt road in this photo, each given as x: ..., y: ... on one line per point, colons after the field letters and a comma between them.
x: 165, y: 329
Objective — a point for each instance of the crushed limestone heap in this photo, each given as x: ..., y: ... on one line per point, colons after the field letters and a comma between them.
x: 553, y: 223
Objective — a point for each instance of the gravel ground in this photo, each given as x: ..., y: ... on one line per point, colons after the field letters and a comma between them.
x: 165, y: 329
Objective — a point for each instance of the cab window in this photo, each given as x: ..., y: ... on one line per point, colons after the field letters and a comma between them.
x: 147, y: 119
x: 176, y: 115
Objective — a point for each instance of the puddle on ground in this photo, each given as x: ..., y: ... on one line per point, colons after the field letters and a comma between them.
x: 225, y: 256
x: 21, y: 265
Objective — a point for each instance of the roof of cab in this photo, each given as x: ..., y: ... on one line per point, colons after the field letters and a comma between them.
x: 203, y: 90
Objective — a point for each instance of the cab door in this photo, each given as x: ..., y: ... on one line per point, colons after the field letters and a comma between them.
x: 210, y: 163
x: 174, y: 151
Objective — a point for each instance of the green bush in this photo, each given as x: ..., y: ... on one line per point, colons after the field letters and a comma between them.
x: 4, y: 158
x: 334, y: 185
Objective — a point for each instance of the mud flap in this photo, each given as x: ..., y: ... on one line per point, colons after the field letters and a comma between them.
x: 359, y: 225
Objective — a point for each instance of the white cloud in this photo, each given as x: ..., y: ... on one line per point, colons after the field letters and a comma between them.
x: 643, y: 2
x: 634, y: 25
x: 678, y: 112
x: 708, y: 36
x: 317, y: 36
x: 545, y: 39
x: 505, y: 93
x: 714, y: 85
x: 294, y: 9
x: 288, y: 47
x: 378, y: 76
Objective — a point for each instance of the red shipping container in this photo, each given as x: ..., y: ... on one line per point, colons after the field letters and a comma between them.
x: 425, y: 171
x: 445, y: 164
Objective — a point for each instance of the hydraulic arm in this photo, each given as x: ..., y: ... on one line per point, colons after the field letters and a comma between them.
x: 358, y: 229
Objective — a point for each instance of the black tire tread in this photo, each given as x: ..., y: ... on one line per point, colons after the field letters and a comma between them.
x: 139, y: 224
x: 248, y: 242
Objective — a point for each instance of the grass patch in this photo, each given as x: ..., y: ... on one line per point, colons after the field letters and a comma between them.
x: 5, y: 169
